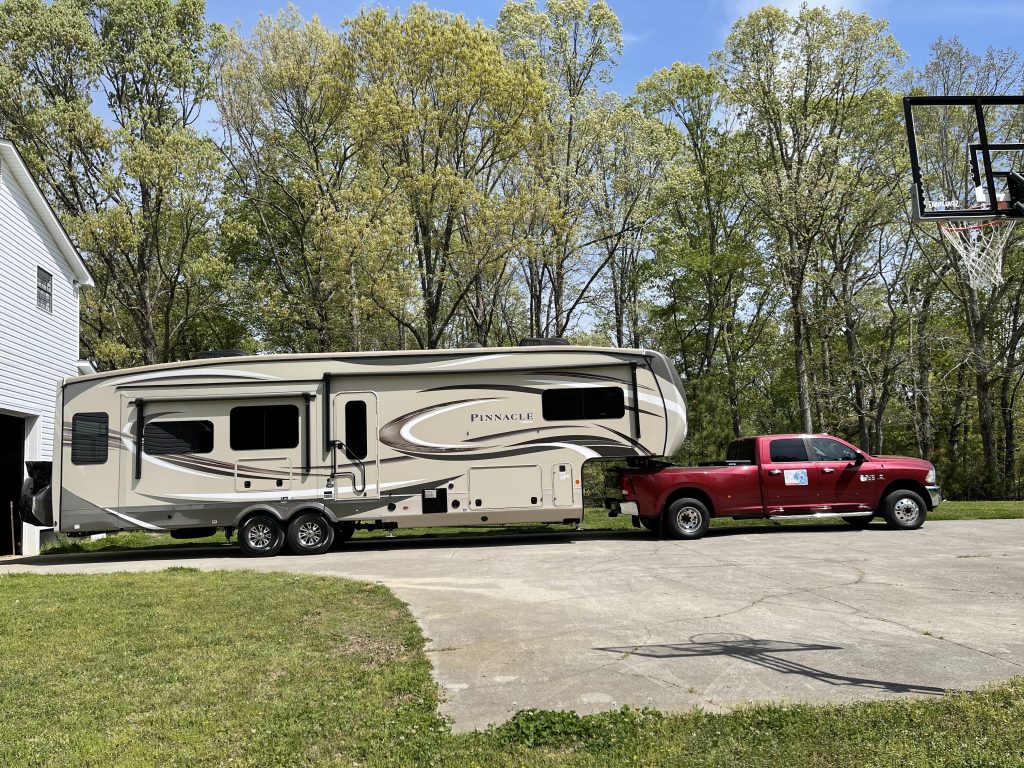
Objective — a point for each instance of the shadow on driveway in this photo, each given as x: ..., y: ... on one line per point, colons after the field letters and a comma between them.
x: 767, y: 654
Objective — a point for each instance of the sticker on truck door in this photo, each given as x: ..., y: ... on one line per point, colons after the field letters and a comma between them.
x: 795, y: 476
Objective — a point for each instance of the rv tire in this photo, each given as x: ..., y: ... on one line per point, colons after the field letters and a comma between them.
x: 310, y: 533
x: 260, y: 535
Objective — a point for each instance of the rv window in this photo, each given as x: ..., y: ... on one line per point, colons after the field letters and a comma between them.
x: 355, y: 428
x: 162, y: 437
x: 89, y: 438
x: 260, y: 427
x: 591, y: 403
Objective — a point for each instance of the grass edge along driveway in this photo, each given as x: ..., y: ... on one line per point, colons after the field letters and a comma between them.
x: 182, y: 668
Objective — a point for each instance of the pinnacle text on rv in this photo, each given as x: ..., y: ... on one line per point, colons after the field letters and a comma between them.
x: 500, y: 417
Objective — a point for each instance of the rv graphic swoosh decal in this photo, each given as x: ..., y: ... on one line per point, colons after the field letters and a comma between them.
x: 397, y: 434
x: 406, y: 430
x: 133, y: 520
x: 187, y: 374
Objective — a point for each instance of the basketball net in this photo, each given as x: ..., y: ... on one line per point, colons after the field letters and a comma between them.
x: 981, y: 245
x: 979, y: 242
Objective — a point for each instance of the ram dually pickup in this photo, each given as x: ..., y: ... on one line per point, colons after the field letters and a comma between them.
x: 782, y: 477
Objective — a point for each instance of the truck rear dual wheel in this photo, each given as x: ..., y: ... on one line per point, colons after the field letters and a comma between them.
x: 904, y: 510
x: 686, y: 519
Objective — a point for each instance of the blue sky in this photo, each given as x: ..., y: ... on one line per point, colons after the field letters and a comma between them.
x: 659, y: 32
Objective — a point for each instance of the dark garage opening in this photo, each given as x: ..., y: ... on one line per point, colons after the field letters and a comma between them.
x: 12, y: 471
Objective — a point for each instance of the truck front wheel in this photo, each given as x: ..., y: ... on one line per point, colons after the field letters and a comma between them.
x: 904, y: 510
x: 686, y: 519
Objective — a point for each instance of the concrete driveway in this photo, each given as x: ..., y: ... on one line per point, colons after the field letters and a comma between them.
x: 592, y: 621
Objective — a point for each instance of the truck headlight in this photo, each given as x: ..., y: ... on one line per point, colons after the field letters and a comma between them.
x: 930, y: 477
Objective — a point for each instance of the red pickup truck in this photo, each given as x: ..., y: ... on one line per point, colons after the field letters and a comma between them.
x: 776, y: 476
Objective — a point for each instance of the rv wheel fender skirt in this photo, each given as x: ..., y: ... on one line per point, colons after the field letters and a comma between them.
x: 686, y: 519
x: 310, y: 533
x: 904, y: 510
x: 260, y: 535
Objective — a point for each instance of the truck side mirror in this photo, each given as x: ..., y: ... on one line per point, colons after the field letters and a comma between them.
x: 859, y: 460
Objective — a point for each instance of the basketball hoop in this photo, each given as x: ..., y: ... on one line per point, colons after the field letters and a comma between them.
x: 981, y: 244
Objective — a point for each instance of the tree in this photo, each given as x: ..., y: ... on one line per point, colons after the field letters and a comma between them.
x: 814, y: 92
x: 136, y: 186
x: 449, y: 116
x: 991, y: 317
x: 306, y: 219
x: 575, y: 44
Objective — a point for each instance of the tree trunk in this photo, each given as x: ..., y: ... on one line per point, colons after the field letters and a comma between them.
x: 923, y: 394
x: 800, y: 361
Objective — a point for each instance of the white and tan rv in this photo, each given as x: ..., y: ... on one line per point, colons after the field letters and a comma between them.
x: 304, y: 448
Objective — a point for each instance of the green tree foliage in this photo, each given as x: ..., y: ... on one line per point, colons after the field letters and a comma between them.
x: 103, y: 99
x: 413, y: 179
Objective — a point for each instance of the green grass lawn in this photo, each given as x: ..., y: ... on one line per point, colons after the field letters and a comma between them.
x: 182, y: 668
x: 593, y: 520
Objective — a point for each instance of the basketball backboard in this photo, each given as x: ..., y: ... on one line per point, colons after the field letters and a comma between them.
x: 966, y: 156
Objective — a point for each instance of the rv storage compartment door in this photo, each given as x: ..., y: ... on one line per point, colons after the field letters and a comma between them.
x: 561, y: 485
x: 517, y: 487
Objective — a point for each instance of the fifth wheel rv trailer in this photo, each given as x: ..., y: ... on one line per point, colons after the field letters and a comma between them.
x: 304, y: 448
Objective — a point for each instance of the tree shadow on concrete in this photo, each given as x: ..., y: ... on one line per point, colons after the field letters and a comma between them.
x: 768, y: 654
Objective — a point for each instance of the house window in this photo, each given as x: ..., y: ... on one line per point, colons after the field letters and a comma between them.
x: 89, y: 438
x: 583, y: 403
x: 44, y: 289
x: 264, y: 427
x: 162, y: 437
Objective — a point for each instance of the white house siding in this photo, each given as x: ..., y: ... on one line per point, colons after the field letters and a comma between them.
x: 37, y: 348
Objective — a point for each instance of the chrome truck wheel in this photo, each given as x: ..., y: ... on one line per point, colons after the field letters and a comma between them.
x: 686, y: 519
x: 904, y: 510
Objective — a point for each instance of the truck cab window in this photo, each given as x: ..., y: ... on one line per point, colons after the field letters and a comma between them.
x: 788, y: 449
x: 826, y: 449
x: 741, y: 450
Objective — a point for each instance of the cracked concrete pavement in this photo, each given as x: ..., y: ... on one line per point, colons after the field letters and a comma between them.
x: 593, y: 621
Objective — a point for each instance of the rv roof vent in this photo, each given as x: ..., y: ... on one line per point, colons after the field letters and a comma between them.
x: 537, y: 342
x: 221, y: 353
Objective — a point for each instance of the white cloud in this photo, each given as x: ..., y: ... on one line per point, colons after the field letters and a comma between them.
x: 632, y: 38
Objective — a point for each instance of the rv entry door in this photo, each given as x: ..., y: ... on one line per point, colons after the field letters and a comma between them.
x: 354, y: 446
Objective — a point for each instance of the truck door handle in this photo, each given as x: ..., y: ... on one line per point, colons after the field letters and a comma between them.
x: 774, y: 471
x: 827, y: 470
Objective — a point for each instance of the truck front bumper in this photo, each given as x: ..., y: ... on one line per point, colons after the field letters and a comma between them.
x: 935, y: 492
